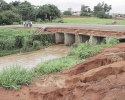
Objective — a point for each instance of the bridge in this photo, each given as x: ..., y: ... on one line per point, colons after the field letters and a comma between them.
x: 69, y: 36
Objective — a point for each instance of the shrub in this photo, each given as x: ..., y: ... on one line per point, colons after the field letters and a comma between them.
x: 9, y: 43
x: 13, y: 77
x: 36, y: 45
x: 58, y: 20
x: 85, y: 50
x: 39, y: 20
x: 84, y: 14
x: 101, y: 14
x: 112, y: 41
x: 67, y: 13
x: 27, y: 44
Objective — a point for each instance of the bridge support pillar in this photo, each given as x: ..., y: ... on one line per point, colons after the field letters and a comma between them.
x: 83, y: 38
x: 76, y: 38
x: 69, y: 39
x: 96, y: 39
x: 59, y: 37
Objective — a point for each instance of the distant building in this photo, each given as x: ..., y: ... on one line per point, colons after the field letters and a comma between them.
x: 118, y: 16
x: 76, y: 13
x: 70, y: 9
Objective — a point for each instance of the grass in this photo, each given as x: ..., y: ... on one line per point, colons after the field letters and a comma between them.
x: 85, y: 50
x: 12, y: 32
x: 15, y: 76
x: 8, y: 52
x: 93, y: 20
x: 56, y: 65
x: 13, y: 40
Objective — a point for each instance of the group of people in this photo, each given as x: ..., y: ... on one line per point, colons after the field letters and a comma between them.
x: 27, y: 23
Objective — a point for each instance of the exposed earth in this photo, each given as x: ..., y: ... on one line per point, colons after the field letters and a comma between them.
x: 101, y: 77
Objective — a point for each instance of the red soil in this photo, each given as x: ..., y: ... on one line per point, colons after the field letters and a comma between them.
x: 98, y: 78
x: 85, y: 31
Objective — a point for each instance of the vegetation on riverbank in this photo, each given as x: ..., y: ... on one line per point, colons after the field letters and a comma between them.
x: 15, y: 76
x: 12, y: 78
x: 56, y: 65
x: 85, y: 50
x: 14, y: 40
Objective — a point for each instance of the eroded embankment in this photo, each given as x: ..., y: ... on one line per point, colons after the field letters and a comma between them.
x: 85, y: 31
x: 103, y: 84
x: 98, y: 78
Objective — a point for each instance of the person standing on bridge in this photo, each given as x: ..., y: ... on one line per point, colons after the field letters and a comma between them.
x: 24, y: 23
x: 27, y: 23
x: 30, y: 23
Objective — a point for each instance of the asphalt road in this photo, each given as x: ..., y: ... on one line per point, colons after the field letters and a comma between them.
x: 69, y: 25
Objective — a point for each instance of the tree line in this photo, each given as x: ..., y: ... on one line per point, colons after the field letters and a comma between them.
x: 20, y: 11
x: 101, y: 10
x: 17, y: 11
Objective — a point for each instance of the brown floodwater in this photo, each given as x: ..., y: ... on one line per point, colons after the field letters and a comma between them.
x: 31, y: 59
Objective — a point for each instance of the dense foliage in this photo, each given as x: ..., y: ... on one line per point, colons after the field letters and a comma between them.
x: 48, y: 11
x: 18, y: 11
x: 8, y: 13
x: 24, y: 40
x: 101, y: 10
x: 67, y: 13
x: 85, y: 11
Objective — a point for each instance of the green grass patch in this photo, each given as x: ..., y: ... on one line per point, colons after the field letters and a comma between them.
x: 56, y: 65
x: 8, y: 52
x: 85, y: 50
x: 15, y: 76
x: 93, y: 20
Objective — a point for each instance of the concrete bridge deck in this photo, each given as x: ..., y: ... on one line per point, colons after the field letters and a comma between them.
x: 70, y: 35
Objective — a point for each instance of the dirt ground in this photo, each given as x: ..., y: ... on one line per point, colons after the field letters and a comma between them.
x: 101, y: 77
x: 85, y: 31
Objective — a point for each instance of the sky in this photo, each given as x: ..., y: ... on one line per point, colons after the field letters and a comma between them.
x: 118, y: 6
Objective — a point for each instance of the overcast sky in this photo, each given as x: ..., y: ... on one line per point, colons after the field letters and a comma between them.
x: 118, y: 6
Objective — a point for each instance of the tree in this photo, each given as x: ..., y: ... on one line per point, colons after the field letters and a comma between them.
x: 67, y: 13
x: 15, y: 17
x: 5, y: 7
x: 85, y: 11
x: 35, y: 12
x: 2, y: 2
x: 2, y: 18
x: 15, y: 3
x: 47, y: 10
x: 101, y: 14
x: 102, y: 7
x: 25, y: 9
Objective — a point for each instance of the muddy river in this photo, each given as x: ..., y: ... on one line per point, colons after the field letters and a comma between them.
x: 31, y: 59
